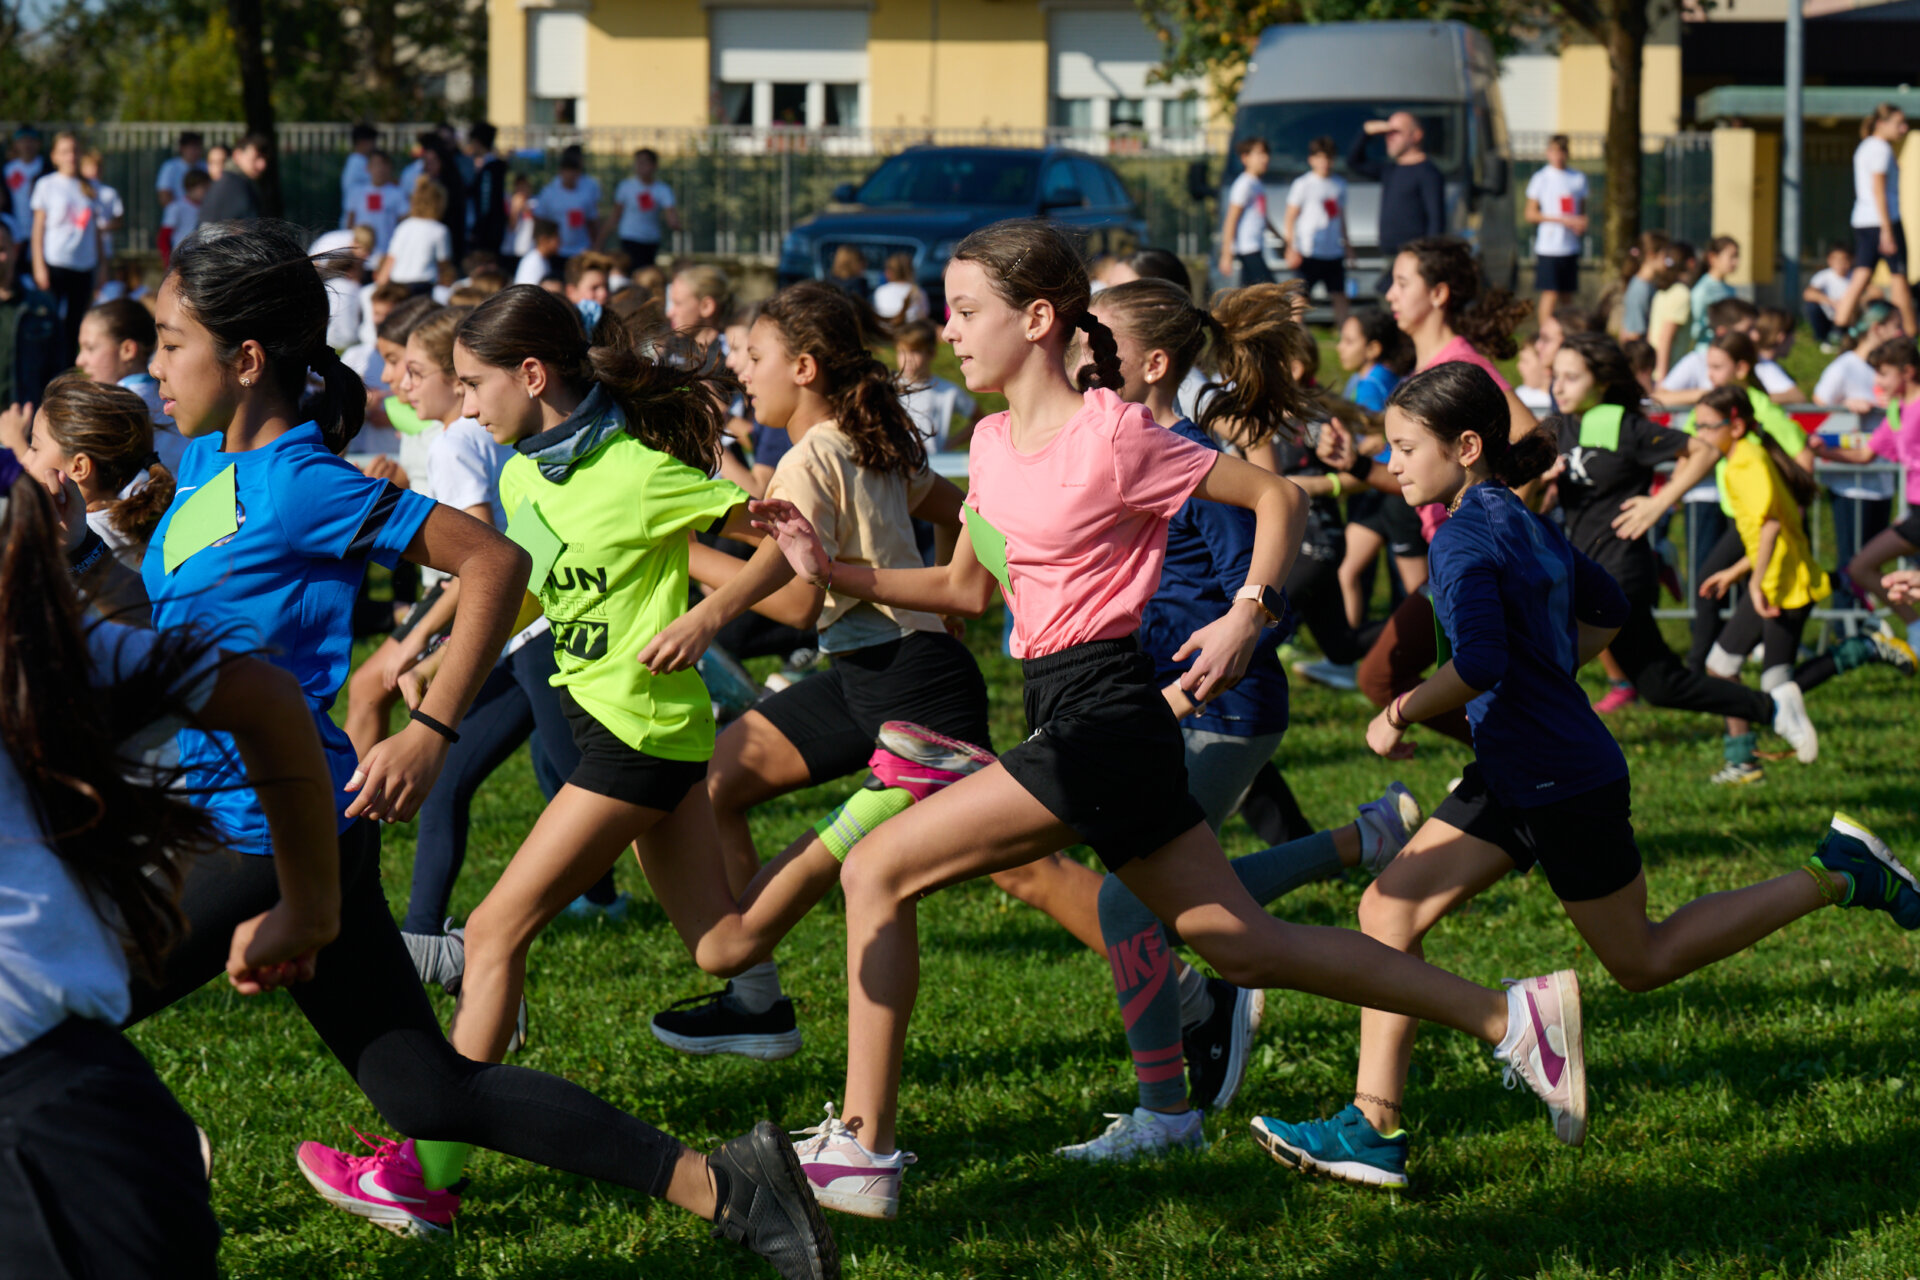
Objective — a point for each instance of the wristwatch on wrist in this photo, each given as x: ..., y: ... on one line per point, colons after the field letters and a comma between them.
x: 1271, y: 602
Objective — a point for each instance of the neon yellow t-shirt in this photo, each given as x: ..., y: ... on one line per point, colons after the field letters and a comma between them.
x: 622, y: 515
x: 1773, y: 420
x: 1759, y: 495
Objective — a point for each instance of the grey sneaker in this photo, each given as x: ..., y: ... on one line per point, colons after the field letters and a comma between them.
x: 1391, y: 820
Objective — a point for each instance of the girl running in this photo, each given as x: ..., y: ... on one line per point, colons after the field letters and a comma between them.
x: 266, y: 542
x: 858, y: 470
x: 1180, y: 1017
x: 105, y: 1174
x: 1522, y: 610
x: 1377, y: 353
x: 1768, y: 490
x: 1071, y: 497
x: 1879, y: 235
x: 1611, y: 451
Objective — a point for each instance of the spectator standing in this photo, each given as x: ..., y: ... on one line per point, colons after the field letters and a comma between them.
x: 356, y: 172
x: 1878, y: 235
x: 378, y: 204
x: 1243, y: 232
x: 233, y: 195
x: 540, y: 262
x: 1316, y: 228
x: 1557, y: 204
x: 29, y: 330
x: 22, y: 171
x: 109, y: 207
x: 66, y: 241
x: 900, y: 300
x: 489, y: 201
x: 1824, y: 293
x: 217, y: 163
x: 1723, y: 259
x: 1657, y: 271
x: 170, y: 184
x: 933, y: 403
x: 1672, y: 311
x: 420, y: 254
x: 1849, y: 382
x: 440, y: 162
x: 646, y: 209
x: 1413, y: 195
x: 181, y: 216
x: 572, y: 201
x: 849, y: 273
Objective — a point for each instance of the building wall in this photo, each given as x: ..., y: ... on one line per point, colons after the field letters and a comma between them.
x: 1584, y: 85
x: 648, y: 63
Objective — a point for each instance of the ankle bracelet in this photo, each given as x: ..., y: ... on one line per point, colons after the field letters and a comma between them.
x: 1378, y: 1102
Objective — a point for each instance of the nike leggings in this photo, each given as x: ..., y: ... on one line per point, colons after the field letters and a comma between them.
x: 367, y: 1003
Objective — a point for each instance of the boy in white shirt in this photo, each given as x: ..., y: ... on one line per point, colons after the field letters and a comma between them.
x: 1826, y: 289
x: 537, y: 265
x: 1316, y: 228
x: 1557, y: 202
x: 933, y: 403
x: 378, y: 203
x: 1243, y: 233
x: 646, y: 207
x: 572, y: 200
x: 181, y: 216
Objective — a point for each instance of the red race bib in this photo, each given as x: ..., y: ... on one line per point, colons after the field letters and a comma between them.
x: 645, y: 201
x: 1568, y: 205
x: 576, y: 218
x: 83, y: 216
x: 16, y: 179
x: 1333, y: 209
x: 374, y: 201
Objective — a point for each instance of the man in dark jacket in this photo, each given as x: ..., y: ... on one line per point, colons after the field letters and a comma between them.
x: 235, y: 196
x: 1413, y: 195
x: 489, y: 189
x: 29, y: 331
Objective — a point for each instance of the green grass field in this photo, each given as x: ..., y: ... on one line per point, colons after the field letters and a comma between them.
x: 1754, y: 1120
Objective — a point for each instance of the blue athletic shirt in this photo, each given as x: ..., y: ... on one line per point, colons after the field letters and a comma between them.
x: 283, y: 585
x: 1508, y: 592
x: 1209, y: 552
x: 1370, y: 391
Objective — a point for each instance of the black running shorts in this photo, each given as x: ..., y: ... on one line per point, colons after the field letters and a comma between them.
x: 609, y: 767
x: 1909, y: 528
x: 1584, y: 843
x: 1105, y: 755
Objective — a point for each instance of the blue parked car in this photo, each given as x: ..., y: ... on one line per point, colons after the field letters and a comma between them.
x: 924, y: 200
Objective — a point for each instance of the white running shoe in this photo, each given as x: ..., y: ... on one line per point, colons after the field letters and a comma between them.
x: 1791, y: 722
x: 1550, y: 1054
x: 1334, y: 675
x: 1386, y: 825
x: 1139, y: 1135
x: 845, y: 1175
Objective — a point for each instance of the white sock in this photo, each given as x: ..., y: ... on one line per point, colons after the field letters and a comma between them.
x: 1516, y: 1023
x: 1196, y: 1002
x: 756, y: 990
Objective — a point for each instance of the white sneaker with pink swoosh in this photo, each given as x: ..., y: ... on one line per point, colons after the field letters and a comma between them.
x: 1550, y: 1051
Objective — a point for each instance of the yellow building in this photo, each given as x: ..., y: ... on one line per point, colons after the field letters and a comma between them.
x: 914, y: 64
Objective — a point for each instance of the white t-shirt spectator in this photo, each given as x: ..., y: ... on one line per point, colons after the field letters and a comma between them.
x: 1250, y: 233
x: 380, y: 208
x: 418, y: 247
x: 1562, y: 193
x: 1689, y: 373
x: 933, y: 408
x: 1848, y: 378
x: 1874, y: 155
x: 180, y: 217
x: 572, y: 209
x: 533, y: 268
x: 900, y: 301
x: 640, y: 205
x: 173, y: 172
x: 20, y: 177
x: 72, y: 237
x: 1831, y: 283
x: 1321, y: 201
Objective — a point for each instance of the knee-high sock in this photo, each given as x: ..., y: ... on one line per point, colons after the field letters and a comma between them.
x: 856, y: 819
x: 1139, y: 954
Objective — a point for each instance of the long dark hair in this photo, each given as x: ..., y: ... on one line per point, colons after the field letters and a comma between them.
x: 837, y: 330
x: 1607, y: 362
x: 1252, y: 343
x: 1396, y: 348
x: 1454, y: 398
x: 123, y: 832
x: 1741, y: 350
x: 254, y: 280
x: 1485, y: 318
x: 674, y: 400
x: 1735, y: 404
x: 111, y: 426
x: 1027, y: 261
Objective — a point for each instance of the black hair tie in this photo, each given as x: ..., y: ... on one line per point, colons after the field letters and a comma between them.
x: 1085, y: 322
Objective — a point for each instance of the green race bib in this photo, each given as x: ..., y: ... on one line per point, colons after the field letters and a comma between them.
x: 201, y: 521
x: 531, y: 532
x: 989, y: 545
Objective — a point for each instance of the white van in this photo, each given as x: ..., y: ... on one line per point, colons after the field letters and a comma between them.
x: 1310, y: 80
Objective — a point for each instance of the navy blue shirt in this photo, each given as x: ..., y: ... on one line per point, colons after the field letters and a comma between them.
x: 282, y: 584
x: 1509, y: 592
x: 1413, y: 197
x: 1209, y: 552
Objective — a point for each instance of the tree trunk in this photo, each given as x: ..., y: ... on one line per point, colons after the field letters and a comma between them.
x: 256, y: 93
x: 1626, y: 42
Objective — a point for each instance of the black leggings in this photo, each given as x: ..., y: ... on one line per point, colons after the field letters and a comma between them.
x: 74, y: 289
x: 367, y: 1003
x: 1313, y: 588
x: 1706, y: 611
x: 1664, y: 681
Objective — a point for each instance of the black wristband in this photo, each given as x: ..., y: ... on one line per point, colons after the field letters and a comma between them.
x: 83, y: 557
x: 422, y: 717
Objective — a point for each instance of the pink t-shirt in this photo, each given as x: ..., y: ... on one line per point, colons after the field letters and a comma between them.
x: 1084, y: 519
x: 1457, y: 348
x: 1902, y: 445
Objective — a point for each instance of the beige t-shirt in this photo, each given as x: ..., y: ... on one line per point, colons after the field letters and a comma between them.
x: 863, y: 517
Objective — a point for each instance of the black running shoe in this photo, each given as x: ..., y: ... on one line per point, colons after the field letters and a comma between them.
x: 765, y: 1203
x: 1218, y: 1048
x: 715, y: 1024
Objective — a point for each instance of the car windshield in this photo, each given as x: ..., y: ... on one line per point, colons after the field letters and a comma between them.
x: 953, y: 178
x: 1289, y: 126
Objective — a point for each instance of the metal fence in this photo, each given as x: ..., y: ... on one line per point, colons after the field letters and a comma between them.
x: 741, y: 188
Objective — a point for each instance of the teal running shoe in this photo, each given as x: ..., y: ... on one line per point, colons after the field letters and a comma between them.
x: 1875, y: 879
x: 1347, y: 1148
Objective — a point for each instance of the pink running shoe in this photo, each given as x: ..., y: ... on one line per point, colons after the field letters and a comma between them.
x: 919, y: 761
x: 845, y: 1175
x: 1551, y: 1054
x: 386, y: 1188
x: 1615, y: 698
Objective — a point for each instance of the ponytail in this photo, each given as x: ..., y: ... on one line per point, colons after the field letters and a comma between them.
x: 1104, y: 371
x: 838, y: 330
x: 1454, y: 398
x: 111, y: 426
x: 1486, y: 319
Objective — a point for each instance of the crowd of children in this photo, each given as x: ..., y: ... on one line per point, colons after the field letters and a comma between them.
x: 595, y: 483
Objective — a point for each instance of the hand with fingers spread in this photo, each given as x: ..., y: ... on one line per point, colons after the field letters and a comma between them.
x: 1638, y: 515
x: 782, y: 521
